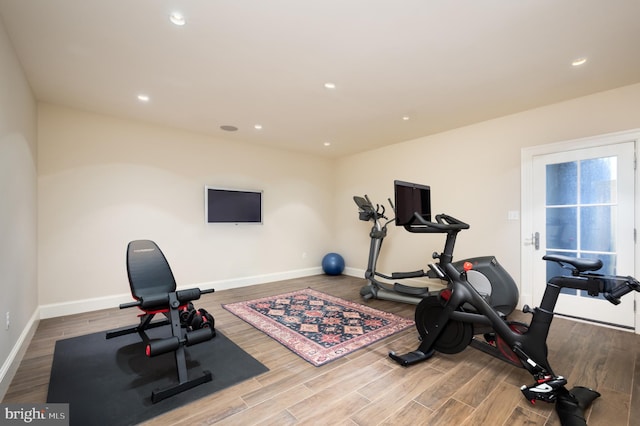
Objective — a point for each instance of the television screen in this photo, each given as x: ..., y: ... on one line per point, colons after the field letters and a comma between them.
x: 411, y: 198
x: 232, y: 206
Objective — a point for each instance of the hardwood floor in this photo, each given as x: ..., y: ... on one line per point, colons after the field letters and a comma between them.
x: 366, y: 387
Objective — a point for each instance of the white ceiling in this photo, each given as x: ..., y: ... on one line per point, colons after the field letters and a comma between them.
x: 444, y: 64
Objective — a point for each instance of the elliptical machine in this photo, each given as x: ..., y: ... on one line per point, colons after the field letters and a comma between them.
x: 489, y: 278
x: 375, y: 288
x: 448, y: 321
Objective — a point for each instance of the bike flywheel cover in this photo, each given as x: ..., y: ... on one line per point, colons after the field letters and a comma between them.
x: 455, y: 336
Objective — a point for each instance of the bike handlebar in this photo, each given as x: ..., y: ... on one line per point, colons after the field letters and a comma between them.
x: 628, y: 286
x: 443, y: 224
x: 612, y: 287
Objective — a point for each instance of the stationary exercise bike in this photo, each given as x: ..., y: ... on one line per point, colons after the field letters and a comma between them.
x: 448, y: 321
x: 376, y: 288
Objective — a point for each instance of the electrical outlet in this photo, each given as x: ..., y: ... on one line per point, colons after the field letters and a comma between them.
x: 8, y: 322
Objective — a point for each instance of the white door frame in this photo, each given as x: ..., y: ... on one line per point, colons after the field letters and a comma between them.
x: 526, y: 194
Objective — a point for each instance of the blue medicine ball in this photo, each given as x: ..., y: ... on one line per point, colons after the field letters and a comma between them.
x: 332, y: 264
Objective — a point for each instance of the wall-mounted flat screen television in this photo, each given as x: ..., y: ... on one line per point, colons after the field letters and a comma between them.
x: 411, y: 198
x: 232, y: 205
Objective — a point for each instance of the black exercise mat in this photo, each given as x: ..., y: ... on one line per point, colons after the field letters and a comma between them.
x: 109, y: 382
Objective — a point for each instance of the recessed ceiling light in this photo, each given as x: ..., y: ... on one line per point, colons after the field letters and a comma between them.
x: 258, y: 126
x: 177, y: 18
x: 143, y: 98
x: 406, y: 118
x: 330, y: 85
x: 228, y: 128
x: 327, y: 144
x: 579, y: 62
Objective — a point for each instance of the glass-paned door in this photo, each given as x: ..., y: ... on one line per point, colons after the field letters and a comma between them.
x: 584, y: 208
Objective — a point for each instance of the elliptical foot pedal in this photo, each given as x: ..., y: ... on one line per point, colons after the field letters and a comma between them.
x: 410, y: 290
x: 412, y: 274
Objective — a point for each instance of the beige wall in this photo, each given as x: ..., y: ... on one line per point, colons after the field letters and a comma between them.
x: 474, y: 174
x: 18, y: 283
x: 105, y: 181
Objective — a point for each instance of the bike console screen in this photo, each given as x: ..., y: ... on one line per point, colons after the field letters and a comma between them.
x: 411, y: 198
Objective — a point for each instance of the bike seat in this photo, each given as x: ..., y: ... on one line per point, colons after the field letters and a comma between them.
x: 580, y: 264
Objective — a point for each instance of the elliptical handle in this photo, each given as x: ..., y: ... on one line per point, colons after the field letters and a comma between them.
x: 392, y: 206
x: 378, y: 212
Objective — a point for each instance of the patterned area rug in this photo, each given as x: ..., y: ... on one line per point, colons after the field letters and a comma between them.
x: 317, y: 326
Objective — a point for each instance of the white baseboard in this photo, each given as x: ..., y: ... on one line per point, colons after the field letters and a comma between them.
x: 80, y: 306
x: 106, y: 302
x: 11, y: 364
x: 259, y: 279
x: 354, y: 272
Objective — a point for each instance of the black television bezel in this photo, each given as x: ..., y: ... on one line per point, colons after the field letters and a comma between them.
x: 404, y: 214
x: 249, y: 219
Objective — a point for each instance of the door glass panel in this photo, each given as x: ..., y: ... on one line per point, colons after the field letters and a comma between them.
x: 562, y: 228
x: 562, y: 182
x: 597, y: 228
x: 598, y: 180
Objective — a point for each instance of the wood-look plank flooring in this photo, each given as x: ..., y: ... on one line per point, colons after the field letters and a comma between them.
x: 366, y: 387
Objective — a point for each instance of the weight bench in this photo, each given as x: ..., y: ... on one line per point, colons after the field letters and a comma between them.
x: 154, y: 289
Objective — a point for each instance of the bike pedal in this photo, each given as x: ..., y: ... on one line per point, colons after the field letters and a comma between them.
x: 543, y: 390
